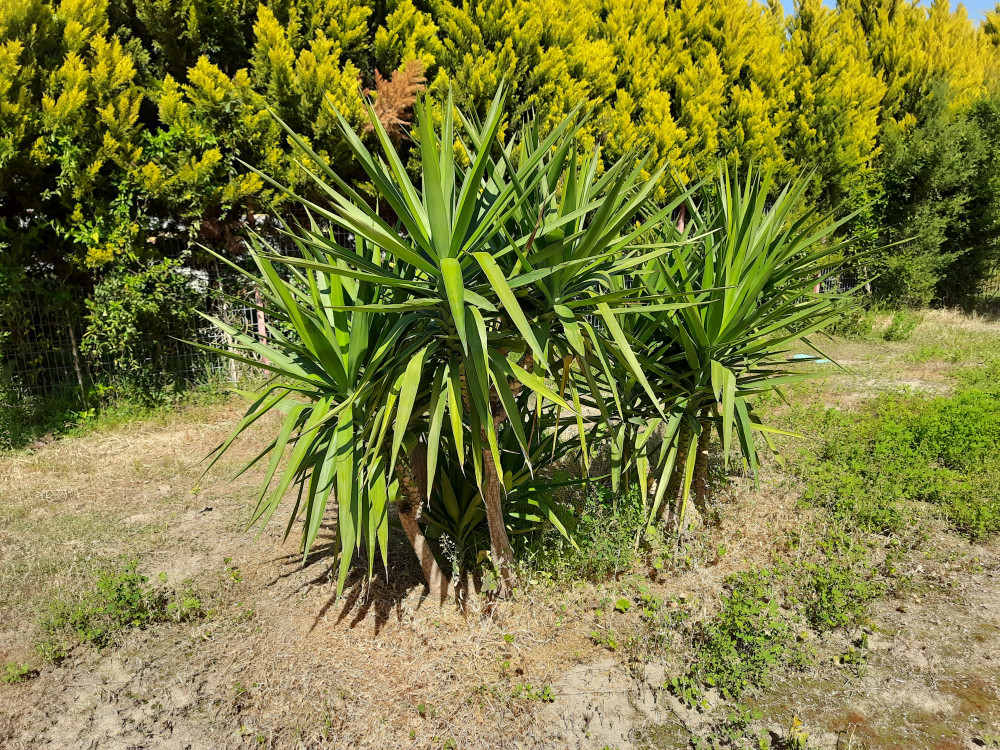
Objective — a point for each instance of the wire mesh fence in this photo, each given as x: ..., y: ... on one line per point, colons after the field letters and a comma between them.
x: 847, y: 280
x: 48, y: 354
x: 48, y: 351
x: 47, y: 347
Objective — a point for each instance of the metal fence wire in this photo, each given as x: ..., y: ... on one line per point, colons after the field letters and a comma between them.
x: 47, y: 354
x: 43, y: 350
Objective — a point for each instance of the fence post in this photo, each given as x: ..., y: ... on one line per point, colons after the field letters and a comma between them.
x: 261, y: 321
x: 76, y: 365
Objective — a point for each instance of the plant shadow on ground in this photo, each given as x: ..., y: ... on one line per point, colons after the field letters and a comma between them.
x: 378, y: 598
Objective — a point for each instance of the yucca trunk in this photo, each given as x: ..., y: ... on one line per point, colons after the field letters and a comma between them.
x: 412, y: 483
x: 500, y: 549
x: 699, y: 485
x: 674, y: 484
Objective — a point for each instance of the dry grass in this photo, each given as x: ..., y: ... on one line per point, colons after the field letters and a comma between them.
x: 943, y: 343
x: 298, y: 671
x: 281, y: 664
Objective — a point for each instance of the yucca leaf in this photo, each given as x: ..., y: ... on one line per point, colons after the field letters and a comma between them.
x: 348, y: 515
x: 510, y: 303
x: 454, y: 285
x: 439, y: 397
x: 408, y: 387
x: 724, y: 386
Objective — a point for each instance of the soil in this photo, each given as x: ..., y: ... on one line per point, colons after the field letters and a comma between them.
x: 280, y: 662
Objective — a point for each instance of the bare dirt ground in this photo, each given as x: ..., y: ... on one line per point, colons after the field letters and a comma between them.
x: 280, y: 663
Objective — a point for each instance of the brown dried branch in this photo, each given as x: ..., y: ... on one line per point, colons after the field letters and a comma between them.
x: 393, y: 98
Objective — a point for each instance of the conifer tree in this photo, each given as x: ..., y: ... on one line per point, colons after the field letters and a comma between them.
x: 121, y: 116
x: 837, y: 95
x: 71, y: 111
x: 991, y: 27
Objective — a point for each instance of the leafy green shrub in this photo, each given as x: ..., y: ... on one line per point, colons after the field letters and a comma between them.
x: 856, y: 323
x: 122, y: 600
x: 737, y: 649
x: 899, y: 449
x: 941, y: 198
x: 605, y: 532
x: 134, y: 318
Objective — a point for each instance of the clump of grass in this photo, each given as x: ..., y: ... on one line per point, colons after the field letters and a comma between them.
x: 984, y: 377
x: 121, y: 600
x: 870, y: 324
x: 858, y: 323
x: 63, y: 413
x: 902, y: 325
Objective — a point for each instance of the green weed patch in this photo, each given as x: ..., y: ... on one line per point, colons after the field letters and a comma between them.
x: 764, y: 611
x: 737, y: 649
x: 876, y: 462
x: 122, y: 600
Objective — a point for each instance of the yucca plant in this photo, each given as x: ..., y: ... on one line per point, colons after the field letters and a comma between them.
x: 456, y: 508
x: 749, y: 278
x: 436, y: 328
x: 326, y: 348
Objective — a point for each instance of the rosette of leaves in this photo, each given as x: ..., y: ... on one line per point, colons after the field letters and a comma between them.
x: 751, y: 277
x: 441, y: 325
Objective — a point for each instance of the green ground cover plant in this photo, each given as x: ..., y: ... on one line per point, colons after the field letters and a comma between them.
x: 835, y: 589
x: 984, y: 377
x: 121, y: 600
x: 901, y: 325
x: 739, y: 647
x: 13, y: 672
x: 875, y: 462
x: 605, y: 528
x: 768, y: 618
